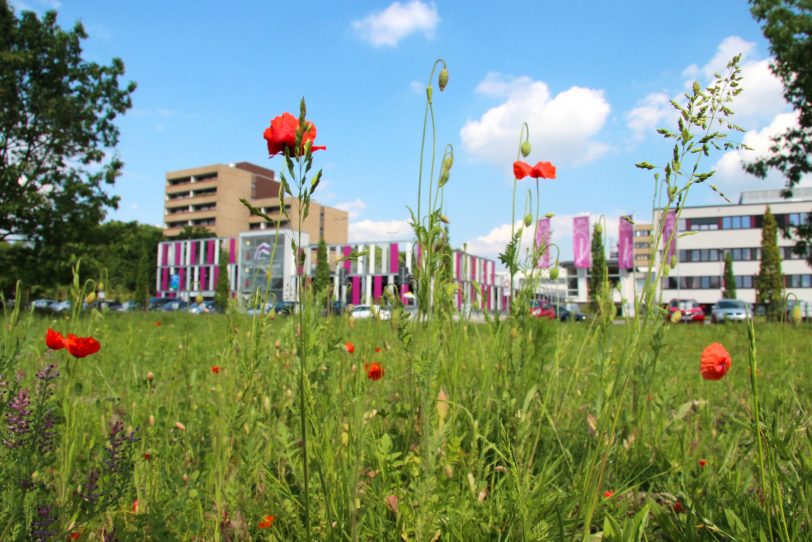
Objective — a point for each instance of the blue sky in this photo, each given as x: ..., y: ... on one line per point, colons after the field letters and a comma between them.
x: 592, y: 79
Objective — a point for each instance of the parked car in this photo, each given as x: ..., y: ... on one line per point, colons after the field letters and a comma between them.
x: 281, y: 308
x: 732, y: 310
x: 156, y: 303
x: 566, y: 315
x: 42, y: 305
x: 129, y: 306
x: 804, y: 307
x: 61, y: 307
x: 371, y: 311
x: 541, y: 309
x: 206, y: 307
x: 174, y: 305
x: 689, y: 309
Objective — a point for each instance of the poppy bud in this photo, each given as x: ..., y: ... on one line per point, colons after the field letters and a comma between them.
x: 199, y: 299
x: 150, y: 376
x: 676, y: 316
x: 442, y: 80
x: 796, y: 315
x: 525, y: 148
x: 151, y: 420
x: 429, y: 92
x: 549, y: 215
x: 448, y: 162
x: 444, y: 219
x: 91, y: 297
x: 672, y: 192
x: 100, y: 287
x: 554, y: 272
x: 598, y: 228
x: 528, y: 220
x: 443, y: 178
x: 673, y: 261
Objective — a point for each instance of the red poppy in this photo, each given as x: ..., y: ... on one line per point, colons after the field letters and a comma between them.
x: 678, y: 508
x: 521, y: 169
x: 374, y: 370
x: 349, y: 347
x: 266, y: 522
x: 135, y: 506
x: 702, y: 463
x: 80, y: 347
x: 377, y: 349
x: 608, y: 494
x: 542, y: 170
x: 54, y: 340
x: 147, y: 456
x: 215, y: 369
x: 157, y: 324
x: 715, y: 362
x: 75, y: 535
x: 281, y: 134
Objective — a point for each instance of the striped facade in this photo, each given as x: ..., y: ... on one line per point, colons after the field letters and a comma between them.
x: 358, y: 280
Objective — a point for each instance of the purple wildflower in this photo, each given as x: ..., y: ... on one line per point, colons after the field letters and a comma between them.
x: 40, y: 527
x: 18, y: 423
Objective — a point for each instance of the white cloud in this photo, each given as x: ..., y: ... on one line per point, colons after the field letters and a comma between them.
x: 730, y: 173
x: 380, y: 230
x: 417, y: 87
x: 760, y: 101
x: 562, y: 128
x: 397, y: 21
x: 497, y: 85
x: 650, y: 113
x: 353, y: 207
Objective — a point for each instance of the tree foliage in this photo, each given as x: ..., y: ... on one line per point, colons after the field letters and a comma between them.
x: 770, y: 281
x: 730, y: 279
x: 222, y: 289
x: 321, y: 281
x: 194, y: 232
x: 124, y: 251
x: 598, y: 278
x: 787, y: 24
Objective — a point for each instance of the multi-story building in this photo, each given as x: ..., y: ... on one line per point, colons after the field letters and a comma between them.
x: 209, y: 196
x: 641, y: 250
x: 715, y: 230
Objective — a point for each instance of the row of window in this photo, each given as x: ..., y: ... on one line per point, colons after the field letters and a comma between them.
x: 197, y: 179
x: 714, y: 282
x: 745, y: 254
x: 739, y: 222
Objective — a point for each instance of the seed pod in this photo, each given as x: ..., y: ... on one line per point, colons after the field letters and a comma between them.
x: 525, y: 148
x: 442, y: 80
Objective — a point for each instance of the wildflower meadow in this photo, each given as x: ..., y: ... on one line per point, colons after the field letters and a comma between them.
x: 430, y: 426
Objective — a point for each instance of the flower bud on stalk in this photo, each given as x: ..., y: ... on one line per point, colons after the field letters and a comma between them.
x: 673, y: 261
x: 554, y: 272
x: 442, y: 80
x: 525, y: 148
x: 528, y: 220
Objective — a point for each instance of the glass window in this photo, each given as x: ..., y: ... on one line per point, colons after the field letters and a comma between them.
x: 726, y: 223
x: 681, y: 224
x: 713, y: 255
x: 806, y: 281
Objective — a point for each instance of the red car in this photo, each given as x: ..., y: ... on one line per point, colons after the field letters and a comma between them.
x: 689, y: 309
x: 540, y: 309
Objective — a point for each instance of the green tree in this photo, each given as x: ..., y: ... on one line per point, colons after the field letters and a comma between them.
x: 598, y: 278
x: 321, y: 280
x: 222, y: 290
x: 57, y: 131
x: 730, y: 279
x: 770, y: 281
x: 787, y: 24
x: 194, y: 232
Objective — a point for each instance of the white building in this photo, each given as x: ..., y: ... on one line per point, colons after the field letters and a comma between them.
x: 714, y: 230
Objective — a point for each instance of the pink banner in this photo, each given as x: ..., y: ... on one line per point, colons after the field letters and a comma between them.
x: 356, y: 290
x: 377, y: 287
x: 394, y: 258
x: 580, y: 242
x: 204, y: 284
x: 543, y: 241
x: 193, y: 253
x: 458, y: 274
x: 210, y: 248
x: 232, y: 251
x: 347, y: 262
x: 625, y: 254
x: 473, y: 267
x: 668, y: 231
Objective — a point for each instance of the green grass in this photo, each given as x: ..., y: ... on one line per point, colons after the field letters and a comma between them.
x: 541, y: 419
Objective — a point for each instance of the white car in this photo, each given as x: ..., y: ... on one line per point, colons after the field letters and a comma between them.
x: 731, y: 310
x: 371, y: 311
